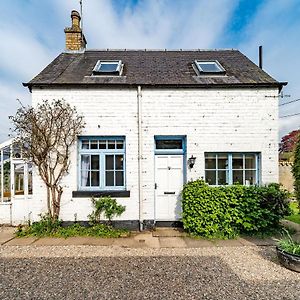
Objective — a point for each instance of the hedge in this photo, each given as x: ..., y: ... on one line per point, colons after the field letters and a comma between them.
x: 227, y: 211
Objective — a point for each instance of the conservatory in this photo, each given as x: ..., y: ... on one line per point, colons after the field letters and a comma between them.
x: 15, y: 174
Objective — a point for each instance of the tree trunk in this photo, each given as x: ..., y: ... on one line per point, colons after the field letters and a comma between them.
x: 49, y: 202
x: 56, y: 192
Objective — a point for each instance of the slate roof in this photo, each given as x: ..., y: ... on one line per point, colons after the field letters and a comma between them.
x: 153, y: 68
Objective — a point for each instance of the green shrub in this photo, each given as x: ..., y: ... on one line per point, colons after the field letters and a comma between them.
x: 227, y: 211
x: 106, y: 205
x: 296, y: 171
x: 42, y: 229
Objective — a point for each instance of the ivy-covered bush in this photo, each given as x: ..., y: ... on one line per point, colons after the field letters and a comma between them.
x: 227, y: 211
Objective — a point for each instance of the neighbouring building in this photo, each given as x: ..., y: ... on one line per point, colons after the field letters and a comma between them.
x: 155, y: 119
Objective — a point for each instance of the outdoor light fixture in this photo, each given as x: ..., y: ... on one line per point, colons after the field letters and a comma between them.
x: 191, y: 161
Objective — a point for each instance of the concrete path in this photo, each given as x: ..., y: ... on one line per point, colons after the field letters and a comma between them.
x: 160, y: 238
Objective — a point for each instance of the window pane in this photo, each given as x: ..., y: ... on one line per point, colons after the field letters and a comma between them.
x: 6, y: 180
x: 85, y: 144
x: 250, y: 177
x: 94, y: 144
x: 210, y: 177
x: 119, y: 162
x: 30, y: 179
x: 209, y: 67
x: 222, y: 177
x: 119, y: 178
x: 19, y: 179
x: 102, y: 144
x: 168, y: 144
x: 16, y: 150
x: 85, y: 162
x: 95, y: 162
x: 109, y: 178
x: 237, y: 161
x: 238, y: 177
x: 108, y: 67
x: 111, y: 144
x: 222, y: 161
x: 85, y: 178
x: 250, y: 161
x: 95, y: 178
x: 109, y: 162
x: 120, y: 144
x: 210, y: 161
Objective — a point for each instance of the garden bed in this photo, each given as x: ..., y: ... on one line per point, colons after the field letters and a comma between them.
x: 40, y: 229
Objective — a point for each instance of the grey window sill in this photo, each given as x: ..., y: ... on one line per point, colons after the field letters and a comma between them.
x: 114, y: 194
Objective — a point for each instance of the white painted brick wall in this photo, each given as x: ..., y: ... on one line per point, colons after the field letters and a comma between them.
x: 213, y: 120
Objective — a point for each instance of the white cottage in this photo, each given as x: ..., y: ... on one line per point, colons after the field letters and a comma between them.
x: 155, y: 119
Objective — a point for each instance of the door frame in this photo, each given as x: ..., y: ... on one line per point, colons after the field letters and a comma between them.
x: 182, y: 152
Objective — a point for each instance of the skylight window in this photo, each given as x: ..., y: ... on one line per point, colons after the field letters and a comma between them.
x: 209, y: 67
x: 108, y: 67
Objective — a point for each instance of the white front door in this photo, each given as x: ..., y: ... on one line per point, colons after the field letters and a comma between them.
x: 168, y: 187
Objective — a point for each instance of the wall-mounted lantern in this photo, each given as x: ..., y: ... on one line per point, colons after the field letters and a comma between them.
x: 191, y: 161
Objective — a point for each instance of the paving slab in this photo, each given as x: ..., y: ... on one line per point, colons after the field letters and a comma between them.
x: 168, y: 232
x: 91, y: 241
x: 296, y: 237
x: 6, y: 234
x: 49, y: 241
x: 147, y: 239
x: 172, y: 242
x: 24, y: 241
x: 129, y: 243
x: 291, y: 225
x: 228, y: 243
x: 246, y: 242
x: 260, y: 242
x: 197, y: 243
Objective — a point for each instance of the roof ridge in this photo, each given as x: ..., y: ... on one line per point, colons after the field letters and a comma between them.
x: 162, y: 49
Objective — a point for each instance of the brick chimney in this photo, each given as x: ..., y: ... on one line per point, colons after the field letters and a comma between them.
x: 75, y: 39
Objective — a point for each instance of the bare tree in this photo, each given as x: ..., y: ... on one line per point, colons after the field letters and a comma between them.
x: 46, y: 134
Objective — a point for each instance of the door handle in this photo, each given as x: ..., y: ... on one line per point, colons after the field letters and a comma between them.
x: 169, y: 193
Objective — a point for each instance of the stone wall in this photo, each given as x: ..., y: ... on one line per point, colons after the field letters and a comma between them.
x: 286, y: 176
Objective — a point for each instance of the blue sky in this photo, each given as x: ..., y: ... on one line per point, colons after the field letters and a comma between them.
x: 32, y: 35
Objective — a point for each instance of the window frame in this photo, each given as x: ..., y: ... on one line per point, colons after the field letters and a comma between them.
x: 102, y: 163
x: 231, y: 169
x: 97, y: 71
x: 221, y: 71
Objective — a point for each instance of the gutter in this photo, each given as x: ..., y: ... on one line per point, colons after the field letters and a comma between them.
x: 278, y: 85
x: 140, y: 157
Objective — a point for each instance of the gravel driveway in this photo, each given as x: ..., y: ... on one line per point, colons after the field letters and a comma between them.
x: 86, y: 272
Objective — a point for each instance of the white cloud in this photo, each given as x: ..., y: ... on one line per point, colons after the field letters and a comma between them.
x: 32, y: 40
x: 23, y: 55
x: 9, y: 92
x: 152, y: 24
x: 276, y: 26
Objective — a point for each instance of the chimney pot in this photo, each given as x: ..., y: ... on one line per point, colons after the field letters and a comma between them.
x: 75, y: 39
x: 75, y: 16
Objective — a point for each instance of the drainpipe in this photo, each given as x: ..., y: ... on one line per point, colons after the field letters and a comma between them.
x: 140, y: 149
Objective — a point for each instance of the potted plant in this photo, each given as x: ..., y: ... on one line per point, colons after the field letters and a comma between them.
x: 288, y: 252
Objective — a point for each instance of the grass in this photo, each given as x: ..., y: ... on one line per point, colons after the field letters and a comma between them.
x: 295, y: 216
x: 289, y: 246
x: 42, y: 229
